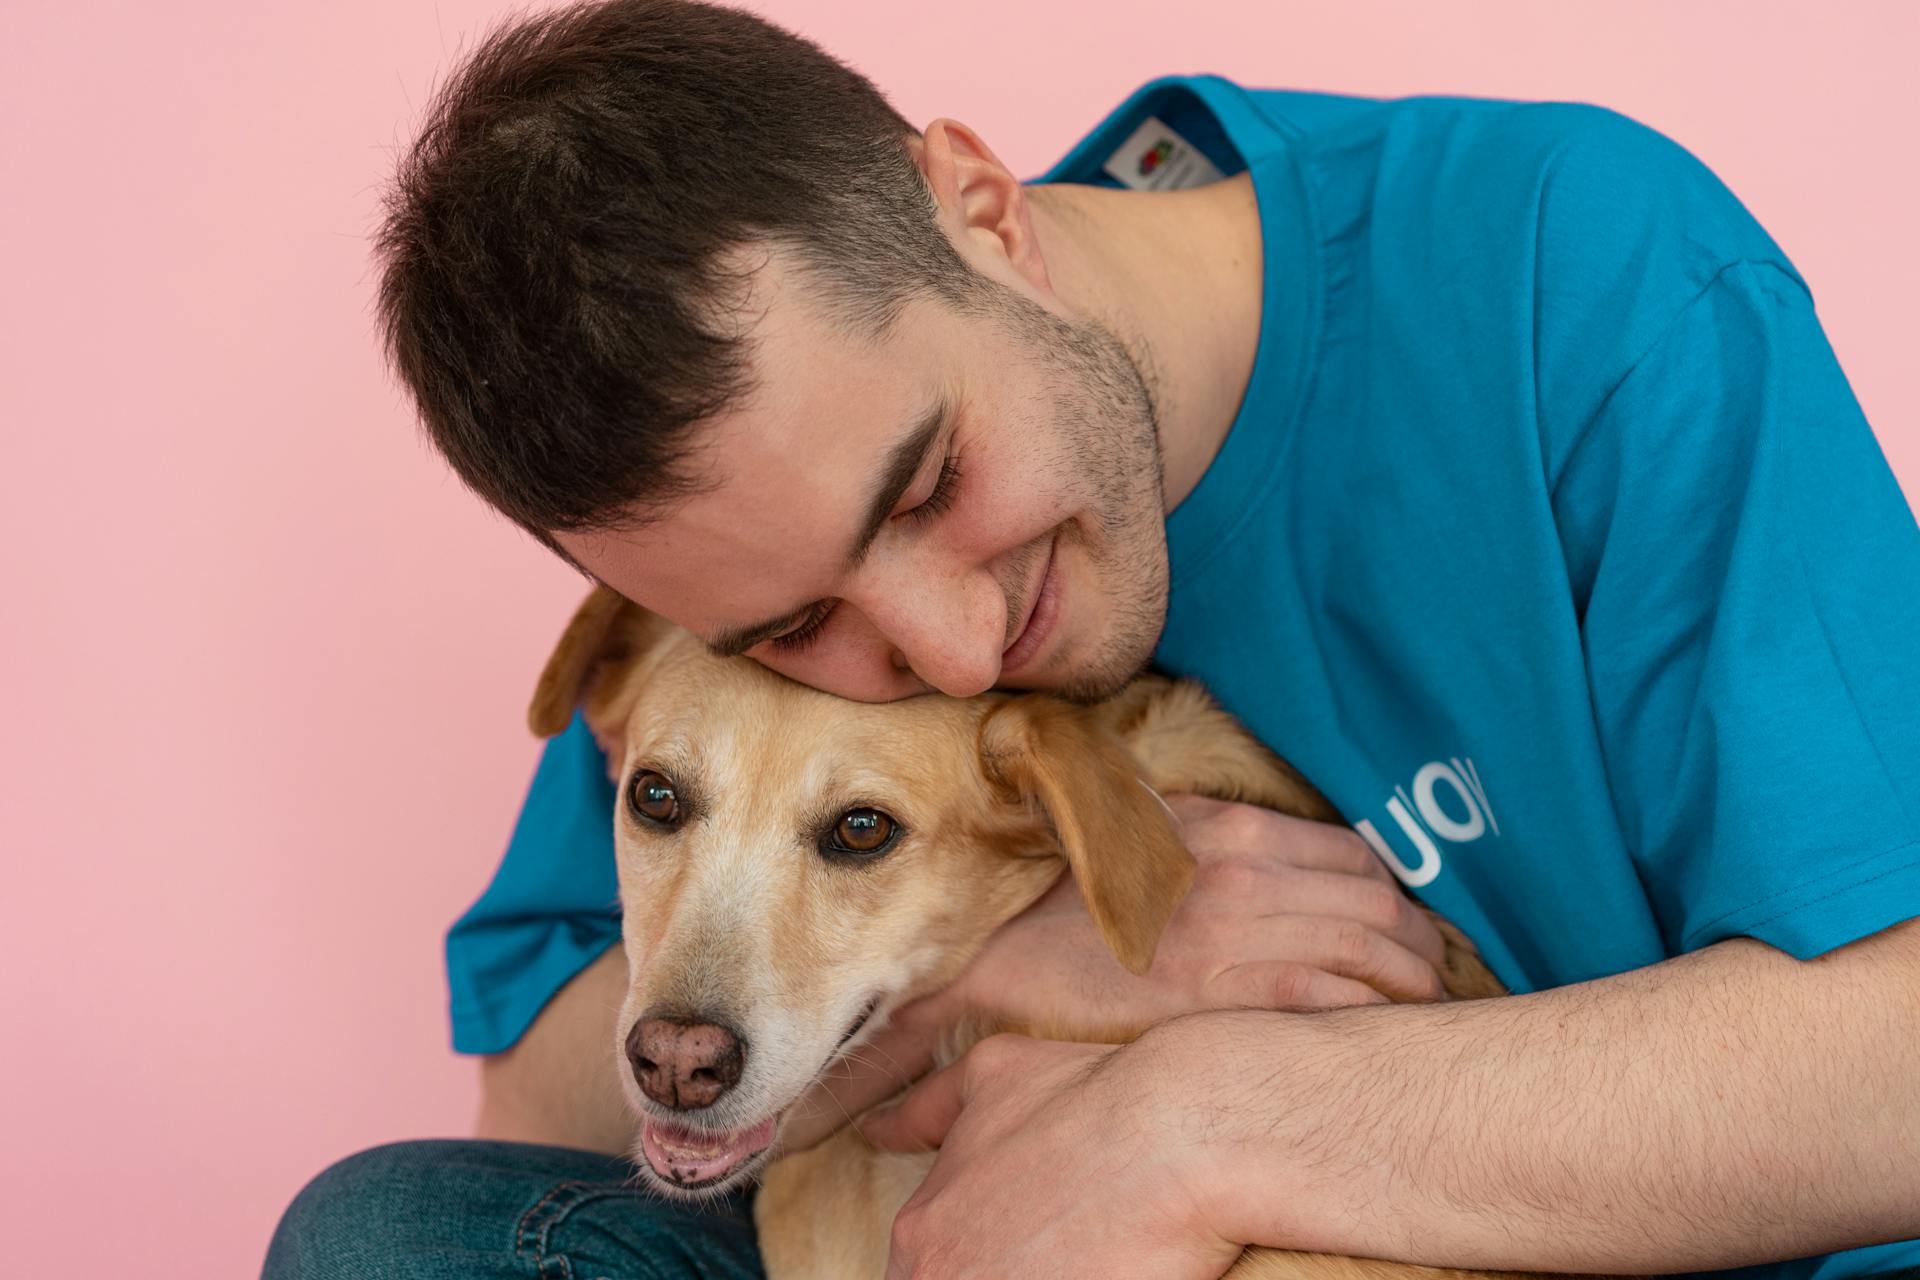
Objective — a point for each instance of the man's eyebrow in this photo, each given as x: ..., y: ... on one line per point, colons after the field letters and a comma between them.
x: 903, y: 463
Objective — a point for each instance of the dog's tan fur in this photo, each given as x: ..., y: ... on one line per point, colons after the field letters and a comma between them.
x: 735, y: 917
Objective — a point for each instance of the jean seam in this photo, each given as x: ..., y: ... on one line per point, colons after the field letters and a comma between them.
x: 547, y: 1214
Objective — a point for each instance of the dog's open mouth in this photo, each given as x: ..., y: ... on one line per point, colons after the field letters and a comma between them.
x: 692, y: 1158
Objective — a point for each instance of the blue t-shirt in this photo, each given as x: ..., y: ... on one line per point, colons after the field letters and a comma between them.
x: 1548, y: 541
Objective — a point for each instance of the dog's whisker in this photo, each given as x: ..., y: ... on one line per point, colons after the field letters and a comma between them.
x: 842, y: 1107
x: 893, y: 1063
x: 891, y: 1070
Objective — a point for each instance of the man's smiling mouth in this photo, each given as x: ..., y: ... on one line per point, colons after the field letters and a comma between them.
x: 696, y: 1158
x: 1040, y: 615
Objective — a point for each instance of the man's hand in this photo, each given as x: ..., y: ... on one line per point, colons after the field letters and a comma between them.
x: 1090, y: 1174
x: 1726, y: 1107
x: 1284, y: 913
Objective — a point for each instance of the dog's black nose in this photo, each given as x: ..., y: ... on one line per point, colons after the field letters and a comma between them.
x: 684, y: 1064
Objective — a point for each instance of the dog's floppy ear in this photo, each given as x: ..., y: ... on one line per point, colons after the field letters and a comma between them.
x: 1114, y: 832
x: 607, y: 631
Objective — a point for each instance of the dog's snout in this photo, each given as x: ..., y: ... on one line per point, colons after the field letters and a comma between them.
x: 684, y: 1064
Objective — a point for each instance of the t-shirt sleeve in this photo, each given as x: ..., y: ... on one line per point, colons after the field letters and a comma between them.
x: 552, y: 907
x: 1746, y: 574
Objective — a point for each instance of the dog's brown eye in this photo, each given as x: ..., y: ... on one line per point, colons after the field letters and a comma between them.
x: 862, y: 831
x: 652, y: 797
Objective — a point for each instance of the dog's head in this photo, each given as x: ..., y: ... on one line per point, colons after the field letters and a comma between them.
x: 793, y: 866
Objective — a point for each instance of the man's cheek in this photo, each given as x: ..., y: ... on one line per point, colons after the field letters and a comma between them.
x: 847, y: 670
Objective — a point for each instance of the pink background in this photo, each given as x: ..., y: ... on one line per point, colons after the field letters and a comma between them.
x: 266, y: 660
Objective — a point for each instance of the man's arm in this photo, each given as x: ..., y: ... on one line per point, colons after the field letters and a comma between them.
x: 1729, y: 1106
x: 558, y: 1084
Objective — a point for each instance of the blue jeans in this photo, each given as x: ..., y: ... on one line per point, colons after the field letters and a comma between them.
x: 465, y: 1210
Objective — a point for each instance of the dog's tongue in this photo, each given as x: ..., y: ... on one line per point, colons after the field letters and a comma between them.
x: 690, y: 1157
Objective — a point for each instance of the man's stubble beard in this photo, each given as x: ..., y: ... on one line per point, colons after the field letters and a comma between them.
x: 1108, y: 431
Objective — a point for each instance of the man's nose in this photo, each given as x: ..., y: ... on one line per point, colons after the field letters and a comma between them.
x: 950, y: 637
x: 683, y: 1063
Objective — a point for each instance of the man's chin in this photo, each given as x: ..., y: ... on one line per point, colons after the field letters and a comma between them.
x: 1087, y: 688
x: 1090, y: 668
x: 1083, y: 688
x: 695, y: 1161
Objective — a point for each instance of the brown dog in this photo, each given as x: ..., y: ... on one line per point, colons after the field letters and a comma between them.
x: 795, y: 866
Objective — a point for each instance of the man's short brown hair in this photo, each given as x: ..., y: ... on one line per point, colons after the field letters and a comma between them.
x: 560, y: 248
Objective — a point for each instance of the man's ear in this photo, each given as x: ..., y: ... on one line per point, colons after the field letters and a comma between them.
x: 608, y: 633
x: 976, y: 192
x: 1114, y: 831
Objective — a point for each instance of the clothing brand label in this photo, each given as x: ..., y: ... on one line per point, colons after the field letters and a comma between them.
x: 1464, y: 815
x: 1155, y: 158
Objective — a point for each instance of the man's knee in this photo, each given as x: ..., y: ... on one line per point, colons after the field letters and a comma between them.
x: 484, y: 1210
x: 386, y: 1212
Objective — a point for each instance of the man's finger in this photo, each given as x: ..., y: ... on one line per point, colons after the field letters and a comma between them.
x: 1382, y: 908
x: 919, y: 1121
x: 1354, y: 951
x: 1285, y: 985
x: 1321, y: 846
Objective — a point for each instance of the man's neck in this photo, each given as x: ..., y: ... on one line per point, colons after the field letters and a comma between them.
x: 1177, y: 276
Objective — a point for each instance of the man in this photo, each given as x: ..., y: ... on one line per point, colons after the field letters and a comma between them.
x: 1486, y: 459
